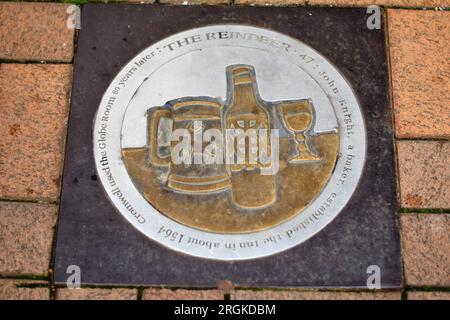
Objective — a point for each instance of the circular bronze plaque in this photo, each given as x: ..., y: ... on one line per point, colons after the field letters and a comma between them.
x: 229, y: 142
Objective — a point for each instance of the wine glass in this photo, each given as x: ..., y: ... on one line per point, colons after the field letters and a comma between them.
x: 297, y: 118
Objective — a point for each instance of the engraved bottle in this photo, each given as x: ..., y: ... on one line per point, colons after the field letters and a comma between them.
x: 248, y: 121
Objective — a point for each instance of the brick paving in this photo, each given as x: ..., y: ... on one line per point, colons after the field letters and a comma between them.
x: 391, y: 3
x: 11, y: 289
x: 347, y: 3
x: 195, y: 2
x: 34, y: 105
x: 424, y: 173
x: 96, y: 294
x: 428, y: 295
x: 35, y: 32
x: 182, y: 294
x: 313, y: 295
x: 420, y: 56
x: 426, y: 243
x: 26, y: 234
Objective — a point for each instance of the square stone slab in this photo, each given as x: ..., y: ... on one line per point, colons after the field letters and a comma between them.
x: 110, y: 251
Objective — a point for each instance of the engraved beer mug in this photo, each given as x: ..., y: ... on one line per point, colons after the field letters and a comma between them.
x: 183, y: 154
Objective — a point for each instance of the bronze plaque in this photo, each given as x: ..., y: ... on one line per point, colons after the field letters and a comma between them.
x: 229, y: 142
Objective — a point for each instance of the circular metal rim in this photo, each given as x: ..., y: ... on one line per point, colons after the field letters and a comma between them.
x: 156, y: 218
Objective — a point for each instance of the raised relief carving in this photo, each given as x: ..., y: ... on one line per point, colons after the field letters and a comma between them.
x: 226, y: 193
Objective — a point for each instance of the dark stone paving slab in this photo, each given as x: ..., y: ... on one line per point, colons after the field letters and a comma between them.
x: 94, y: 236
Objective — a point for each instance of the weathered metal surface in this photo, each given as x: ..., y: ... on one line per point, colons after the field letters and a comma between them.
x: 93, y: 235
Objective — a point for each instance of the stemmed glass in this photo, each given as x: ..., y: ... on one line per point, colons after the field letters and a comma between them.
x: 297, y: 118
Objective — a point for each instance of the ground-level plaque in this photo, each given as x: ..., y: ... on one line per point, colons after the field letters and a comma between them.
x: 245, y: 144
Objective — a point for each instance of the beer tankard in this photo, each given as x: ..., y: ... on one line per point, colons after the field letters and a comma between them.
x: 186, y: 177
x: 298, y: 118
